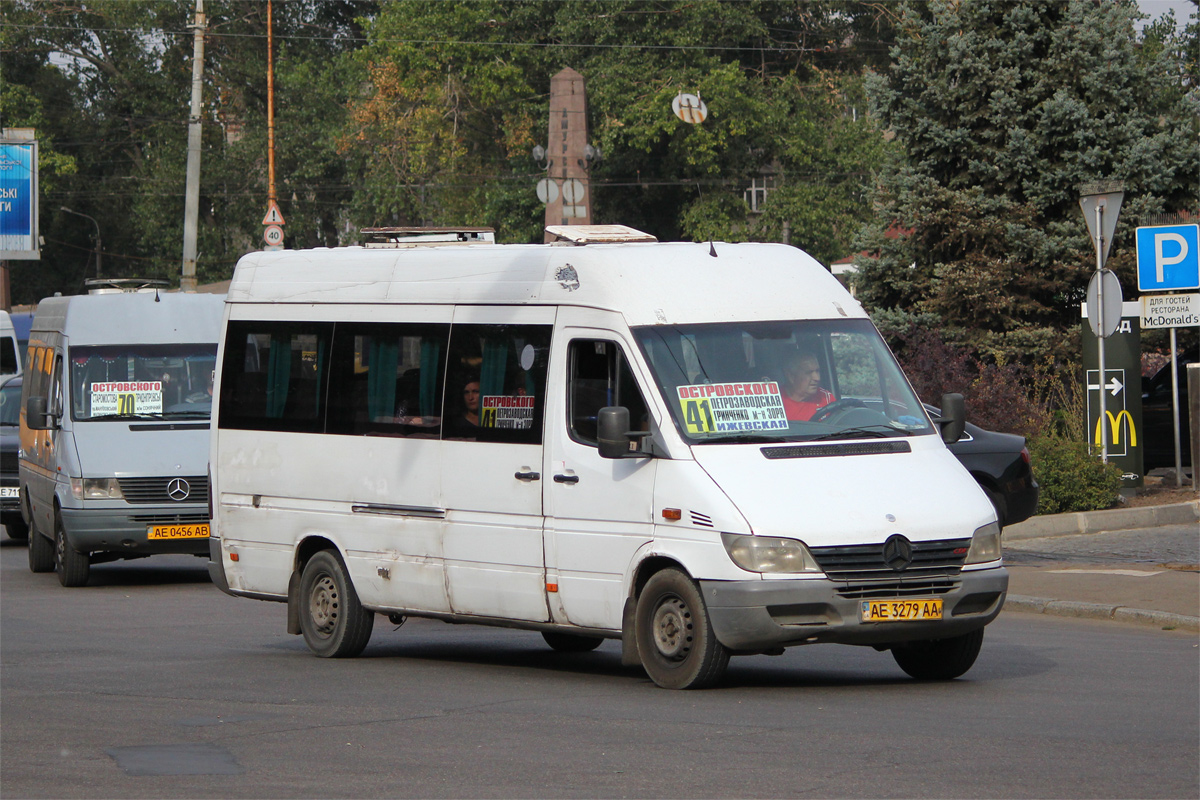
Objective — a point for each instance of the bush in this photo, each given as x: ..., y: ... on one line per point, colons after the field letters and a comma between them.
x: 1072, y: 479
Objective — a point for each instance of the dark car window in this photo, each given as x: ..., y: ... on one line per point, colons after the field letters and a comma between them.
x: 10, y: 403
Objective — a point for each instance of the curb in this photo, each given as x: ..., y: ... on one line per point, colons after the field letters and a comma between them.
x: 1117, y: 519
x: 1071, y: 608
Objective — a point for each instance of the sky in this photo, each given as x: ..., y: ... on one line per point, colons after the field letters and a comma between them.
x: 1156, y: 8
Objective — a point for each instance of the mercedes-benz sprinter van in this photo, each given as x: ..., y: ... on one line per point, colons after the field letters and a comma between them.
x: 701, y: 450
x: 114, y: 426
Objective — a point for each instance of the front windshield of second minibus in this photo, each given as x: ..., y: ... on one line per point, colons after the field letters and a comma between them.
x: 785, y: 381
x: 145, y: 381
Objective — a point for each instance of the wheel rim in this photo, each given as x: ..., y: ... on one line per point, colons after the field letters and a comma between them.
x: 324, y: 602
x: 672, y: 629
x: 60, y: 548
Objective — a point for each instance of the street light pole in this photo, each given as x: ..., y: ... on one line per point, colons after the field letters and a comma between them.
x: 97, y: 224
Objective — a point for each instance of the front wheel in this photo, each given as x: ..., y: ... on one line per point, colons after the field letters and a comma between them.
x: 674, y: 636
x: 333, y: 621
x: 939, y: 659
x: 71, y: 565
x: 41, y: 551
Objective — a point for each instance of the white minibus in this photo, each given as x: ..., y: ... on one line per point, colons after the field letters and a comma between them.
x: 698, y: 449
x: 114, y: 425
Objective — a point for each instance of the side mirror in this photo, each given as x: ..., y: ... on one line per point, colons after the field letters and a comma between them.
x: 612, y: 431
x: 954, y: 417
x: 35, y: 415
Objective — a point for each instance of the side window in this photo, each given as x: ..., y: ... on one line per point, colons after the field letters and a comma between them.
x: 274, y: 376
x: 54, y: 390
x: 9, y: 361
x: 387, y: 379
x: 496, y: 383
x: 36, y: 377
x: 600, y: 376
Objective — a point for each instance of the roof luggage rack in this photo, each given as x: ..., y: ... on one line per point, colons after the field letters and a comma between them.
x: 115, y: 285
x: 597, y: 234
x: 412, y: 237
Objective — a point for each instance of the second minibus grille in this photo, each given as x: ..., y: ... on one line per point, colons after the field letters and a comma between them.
x: 866, y: 562
x: 171, y: 489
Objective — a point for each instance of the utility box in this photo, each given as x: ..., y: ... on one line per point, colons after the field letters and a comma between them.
x: 1122, y: 389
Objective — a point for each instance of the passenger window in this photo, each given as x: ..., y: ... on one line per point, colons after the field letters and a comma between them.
x: 274, y: 376
x: 600, y: 376
x: 387, y: 379
x: 496, y: 383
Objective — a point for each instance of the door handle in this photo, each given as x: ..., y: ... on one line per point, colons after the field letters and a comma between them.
x: 566, y: 479
x: 528, y: 476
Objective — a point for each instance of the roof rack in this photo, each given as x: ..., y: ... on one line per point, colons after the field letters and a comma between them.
x: 114, y: 285
x: 411, y: 237
x: 598, y: 234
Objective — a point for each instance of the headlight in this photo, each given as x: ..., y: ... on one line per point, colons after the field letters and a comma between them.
x: 768, y: 553
x: 985, y: 544
x: 96, y: 489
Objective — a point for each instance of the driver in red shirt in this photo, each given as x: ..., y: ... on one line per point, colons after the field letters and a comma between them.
x: 803, y: 393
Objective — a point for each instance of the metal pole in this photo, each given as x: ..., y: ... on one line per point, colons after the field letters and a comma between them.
x: 1175, y: 415
x: 191, y: 208
x: 270, y: 106
x: 1100, y: 324
x: 98, y: 243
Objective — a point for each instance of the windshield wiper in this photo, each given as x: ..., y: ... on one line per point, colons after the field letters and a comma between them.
x: 186, y: 415
x: 743, y: 438
x: 864, y: 432
x: 111, y: 417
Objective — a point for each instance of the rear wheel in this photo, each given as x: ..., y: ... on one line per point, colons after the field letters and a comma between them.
x: 674, y: 636
x: 939, y: 659
x: 570, y: 642
x: 71, y: 565
x: 334, y: 623
x: 41, y: 551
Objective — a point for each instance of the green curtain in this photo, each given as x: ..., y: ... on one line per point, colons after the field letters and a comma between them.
x: 430, y: 362
x: 491, y: 375
x: 381, y: 378
x: 279, y: 370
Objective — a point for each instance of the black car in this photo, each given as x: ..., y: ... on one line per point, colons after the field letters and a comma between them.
x: 1000, y: 464
x: 1158, y: 418
x: 10, y: 443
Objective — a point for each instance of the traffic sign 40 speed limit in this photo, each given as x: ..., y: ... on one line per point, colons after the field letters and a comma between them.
x: 273, y: 235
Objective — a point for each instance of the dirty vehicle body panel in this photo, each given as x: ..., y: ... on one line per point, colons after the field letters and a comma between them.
x: 114, y: 445
x: 342, y: 380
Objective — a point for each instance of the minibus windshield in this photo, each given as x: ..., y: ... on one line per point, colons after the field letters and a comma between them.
x: 749, y: 382
x: 142, y: 381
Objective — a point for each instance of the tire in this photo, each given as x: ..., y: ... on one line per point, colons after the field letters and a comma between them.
x: 41, y: 551
x: 17, y: 531
x: 71, y: 565
x: 939, y: 659
x: 334, y: 623
x: 674, y: 636
x: 571, y: 642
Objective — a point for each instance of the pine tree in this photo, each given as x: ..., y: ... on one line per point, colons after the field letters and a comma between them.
x: 1003, y: 108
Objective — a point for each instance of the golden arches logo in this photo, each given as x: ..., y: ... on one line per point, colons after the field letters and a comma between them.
x: 1114, y: 425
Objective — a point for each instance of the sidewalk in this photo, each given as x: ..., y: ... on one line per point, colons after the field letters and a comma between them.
x: 1163, y: 593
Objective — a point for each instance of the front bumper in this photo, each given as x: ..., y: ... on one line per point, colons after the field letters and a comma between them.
x: 126, y: 531
x: 750, y: 616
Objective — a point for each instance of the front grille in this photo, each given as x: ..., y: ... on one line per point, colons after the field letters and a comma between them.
x: 8, y: 462
x: 155, y: 490
x: 864, y: 562
x: 169, y: 519
x: 873, y: 590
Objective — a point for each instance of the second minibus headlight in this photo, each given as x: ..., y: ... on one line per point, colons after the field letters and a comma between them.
x: 96, y: 489
x: 985, y: 544
x: 768, y: 553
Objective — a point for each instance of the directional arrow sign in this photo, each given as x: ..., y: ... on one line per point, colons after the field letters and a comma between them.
x: 1113, y: 387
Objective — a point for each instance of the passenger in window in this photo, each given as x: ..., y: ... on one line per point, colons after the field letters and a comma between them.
x: 803, y: 394
x: 465, y: 424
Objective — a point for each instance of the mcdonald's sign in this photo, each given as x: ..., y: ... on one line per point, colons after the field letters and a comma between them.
x: 1114, y: 425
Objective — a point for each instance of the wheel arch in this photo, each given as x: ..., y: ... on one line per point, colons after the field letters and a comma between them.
x: 308, y: 547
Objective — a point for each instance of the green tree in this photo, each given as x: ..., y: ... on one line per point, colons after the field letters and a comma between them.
x: 1002, y: 109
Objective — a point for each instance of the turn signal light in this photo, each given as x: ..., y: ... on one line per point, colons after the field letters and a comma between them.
x: 673, y: 514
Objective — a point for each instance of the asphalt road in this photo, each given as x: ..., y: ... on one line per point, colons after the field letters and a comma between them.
x: 1166, y: 544
x: 151, y: 683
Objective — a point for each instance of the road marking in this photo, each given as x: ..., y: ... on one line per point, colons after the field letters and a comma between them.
x: 1133, y: 573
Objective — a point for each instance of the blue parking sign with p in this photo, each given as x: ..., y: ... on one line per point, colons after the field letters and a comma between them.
x: 1168, y: 257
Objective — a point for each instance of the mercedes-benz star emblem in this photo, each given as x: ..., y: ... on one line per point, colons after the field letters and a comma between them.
x: 179, y: 490
x: 897, y: 552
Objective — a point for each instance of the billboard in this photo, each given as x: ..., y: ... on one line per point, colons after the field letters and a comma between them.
x: 18, y: 196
